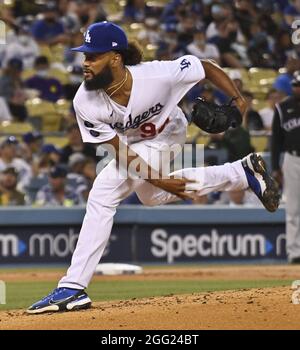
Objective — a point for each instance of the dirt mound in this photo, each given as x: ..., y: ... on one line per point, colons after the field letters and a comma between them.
x: 264, y: 308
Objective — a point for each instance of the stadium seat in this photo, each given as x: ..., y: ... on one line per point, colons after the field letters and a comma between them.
x: 60, y: 75
x: 47, y: 112
x: 192, y: 132
x: 202, y: 139
x: 259, y: 104
x: 63, y: 107
x: 15, y: 128
x: 260, y: 143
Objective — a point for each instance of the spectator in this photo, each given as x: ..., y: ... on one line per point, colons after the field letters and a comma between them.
x: 185, y: 28
x: 12, y: 89
x: 5, y: 115
x: 252, y: 119
x: 49, y: 157
x: 292, y: 12
x: 9, y: 195
x: 217, y: 143
x: 68, y: 16
x: 73, y: 57
x: 9, y: 159
x: 33, y: 142
x: 49, y: 30
x: 136, y: 11
x: 238, y: 143
x: 273, y: 97
x: 151, y: 33
x: 168, y: 47
x: 259, y: 48
x: 283, y: 82
x: 89, y: 11
x: 245, y: 11
x: 50, y: 89
x: 24, y: 47
x: 75, y: 80
x: 57, y: 192
x: 75, y: 176
x: 283, y: 47
x: 231, y: 44
x: 201, y: 49
x: 89, y: 171
x: 171, y: 10
x: 220, y: 13
x: 76, y: 145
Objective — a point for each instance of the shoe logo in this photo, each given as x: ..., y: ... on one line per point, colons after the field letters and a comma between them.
x: 52, y: 302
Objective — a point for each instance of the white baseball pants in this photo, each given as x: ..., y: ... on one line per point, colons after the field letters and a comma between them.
x: 108, y: 191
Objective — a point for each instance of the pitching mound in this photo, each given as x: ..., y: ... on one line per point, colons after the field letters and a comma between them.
x: 262, y: 308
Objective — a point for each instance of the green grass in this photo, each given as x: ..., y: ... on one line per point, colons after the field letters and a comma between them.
x: 23, y: 294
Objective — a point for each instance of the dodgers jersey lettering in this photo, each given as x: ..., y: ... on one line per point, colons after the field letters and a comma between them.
x: 157, y: 88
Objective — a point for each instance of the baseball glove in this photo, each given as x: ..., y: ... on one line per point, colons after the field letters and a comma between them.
x: 214, y: 118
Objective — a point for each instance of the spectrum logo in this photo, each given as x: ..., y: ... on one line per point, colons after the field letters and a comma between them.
x: 60, y: 245
x: 211, y: 245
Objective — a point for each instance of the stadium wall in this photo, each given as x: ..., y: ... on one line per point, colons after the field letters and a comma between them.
x: 167, y: 234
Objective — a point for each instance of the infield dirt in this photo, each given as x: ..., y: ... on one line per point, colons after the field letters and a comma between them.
x: 262, y: 308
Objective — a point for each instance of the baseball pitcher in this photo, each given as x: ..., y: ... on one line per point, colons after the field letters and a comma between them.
x: 130, y: 107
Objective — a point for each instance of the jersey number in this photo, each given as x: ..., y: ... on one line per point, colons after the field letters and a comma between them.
x: 149, y: 129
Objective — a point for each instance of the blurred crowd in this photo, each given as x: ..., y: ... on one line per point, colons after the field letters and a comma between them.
x: 35, y: 62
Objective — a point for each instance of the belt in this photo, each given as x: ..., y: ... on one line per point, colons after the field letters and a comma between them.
x: 294, y: 153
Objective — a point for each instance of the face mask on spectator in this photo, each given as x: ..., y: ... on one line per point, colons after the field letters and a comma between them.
x: 42, y: 73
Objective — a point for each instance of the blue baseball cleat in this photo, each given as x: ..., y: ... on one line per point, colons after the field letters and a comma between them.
x: 61, y: 299
x: 260, y: 182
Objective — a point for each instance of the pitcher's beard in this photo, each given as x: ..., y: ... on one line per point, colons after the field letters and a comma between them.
x: 99, y: 81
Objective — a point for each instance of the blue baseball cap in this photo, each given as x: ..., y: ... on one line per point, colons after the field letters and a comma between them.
x: 32, y: 136
x: 50, y: 148
x: 58, y: 171
x: 102, y: 37
x: 11, y: 140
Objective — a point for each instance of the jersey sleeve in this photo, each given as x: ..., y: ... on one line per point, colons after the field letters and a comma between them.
x: 92, y: 132
x: 185, y: 72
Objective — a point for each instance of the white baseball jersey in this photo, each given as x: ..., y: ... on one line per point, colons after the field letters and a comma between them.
x: 152, y: 114
x: 157, y: 88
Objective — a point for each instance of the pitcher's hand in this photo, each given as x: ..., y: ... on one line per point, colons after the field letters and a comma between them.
x: 175, y: 186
